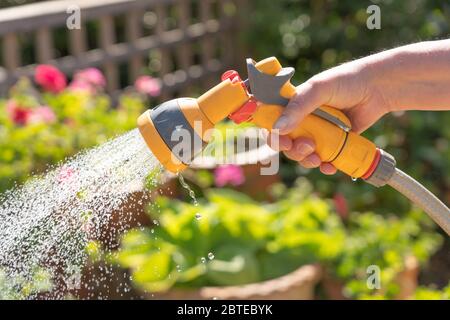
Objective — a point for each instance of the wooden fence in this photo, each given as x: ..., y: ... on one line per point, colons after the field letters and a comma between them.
x: 184, y: 42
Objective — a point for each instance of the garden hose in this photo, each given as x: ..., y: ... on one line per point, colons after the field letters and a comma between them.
x: 422, y: 197
x: 177, y: 130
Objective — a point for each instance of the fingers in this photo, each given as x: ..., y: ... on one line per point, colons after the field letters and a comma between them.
x: 327, y: 168
x: 279, y: 143
x: 301, y: 148
x: 311, y: 161
x: 309, y: 96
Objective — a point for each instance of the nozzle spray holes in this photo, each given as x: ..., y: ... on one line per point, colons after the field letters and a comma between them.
x: 188, y: 188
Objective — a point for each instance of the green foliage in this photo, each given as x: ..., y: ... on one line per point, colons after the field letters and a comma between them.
x: 386, y: 243
x: 251, y: 242
x: 424, y: 293
x: 82, y: 120
x: 225, y: 137
x: 14, y: 288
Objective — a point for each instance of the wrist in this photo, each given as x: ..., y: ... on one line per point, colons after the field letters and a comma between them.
x: 382, y: 79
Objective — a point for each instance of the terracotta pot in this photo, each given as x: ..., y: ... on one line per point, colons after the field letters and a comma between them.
x: 256, y: 185
x: 407, y: 281
x: 333, y: 288
x: 297, y: 285
x: 132, y: 211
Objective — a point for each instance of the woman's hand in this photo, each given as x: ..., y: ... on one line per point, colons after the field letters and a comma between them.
x: 411, y: 77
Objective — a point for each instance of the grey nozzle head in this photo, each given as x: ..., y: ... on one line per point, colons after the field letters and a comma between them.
x: 176, y: 131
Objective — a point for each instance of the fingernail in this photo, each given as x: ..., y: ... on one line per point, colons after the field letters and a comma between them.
x: 306, y: 163
x: 285, y: 144
x: 282, y: 123
x: 310, y: 162
x: 305, y: 149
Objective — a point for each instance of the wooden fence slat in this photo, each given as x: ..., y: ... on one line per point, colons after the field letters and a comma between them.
x: 77, y: 41
x: 3, y: 81
x: 107, y: 39
x: 184, y: 52
x: 44, y: 45
x: 54, y: 13
x: 174, y: 46
x: 241, y: 47
x: 134, y: 32
x: 120, y: 52
x: 164, y: 53
x: 225, y: 38
x: 11, y: 53
x: 207, y: 44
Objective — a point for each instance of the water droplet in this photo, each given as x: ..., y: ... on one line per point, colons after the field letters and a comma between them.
x: 156, y: 222
x: 152, y: 230
x: 202, y: 259
x: 188, y: 188
x: 210, y: 256
x: 178, y: 268
x: 198, y: 216
x: 354, y: 179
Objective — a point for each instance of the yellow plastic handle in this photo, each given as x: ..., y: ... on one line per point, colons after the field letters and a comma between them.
x: 347, y: 151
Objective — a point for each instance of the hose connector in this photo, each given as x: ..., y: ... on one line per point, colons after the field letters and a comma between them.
x: 383, y: 170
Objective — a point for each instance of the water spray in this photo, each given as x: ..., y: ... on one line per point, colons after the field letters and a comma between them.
x: 177, y: 130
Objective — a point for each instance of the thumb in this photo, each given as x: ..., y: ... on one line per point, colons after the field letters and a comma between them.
x: 309, y: 96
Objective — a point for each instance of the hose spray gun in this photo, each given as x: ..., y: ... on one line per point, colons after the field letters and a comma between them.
x: 260, y: 100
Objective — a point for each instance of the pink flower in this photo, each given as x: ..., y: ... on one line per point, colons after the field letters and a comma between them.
x: 43, y: 114
x: 79, y: 85
x: 19, y: 115
x: 341, y: 205
x: 92, y: 76
x: 229, y: 174
x: 148, y: 85
x: 50, y: 78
